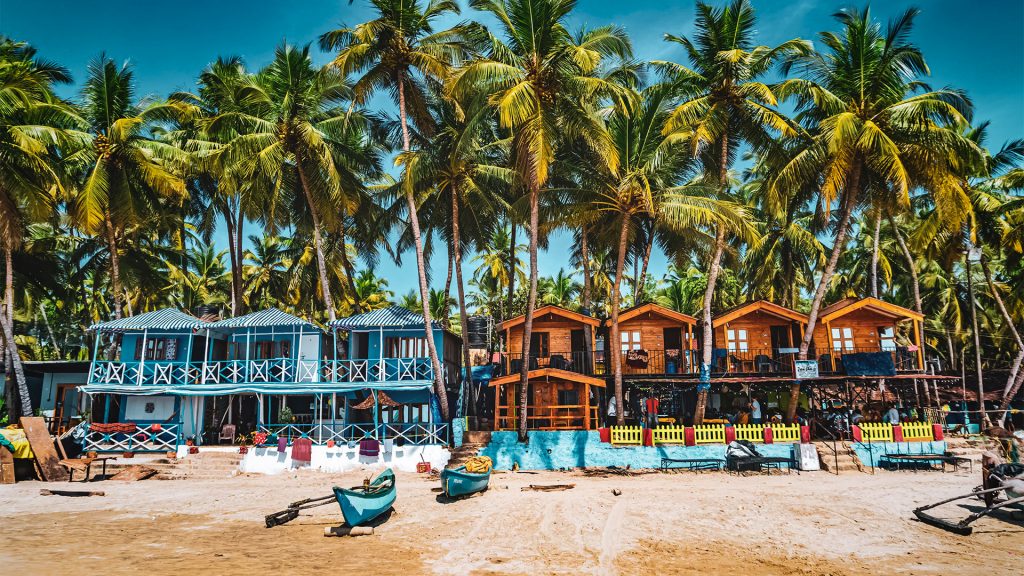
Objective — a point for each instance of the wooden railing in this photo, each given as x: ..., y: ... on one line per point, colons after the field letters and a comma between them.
x: 558, y: 417
x: 709, y: 434
x: 627, y: 435
x: 706, y: 434
x: 133, y: 438
x: 669, y: 435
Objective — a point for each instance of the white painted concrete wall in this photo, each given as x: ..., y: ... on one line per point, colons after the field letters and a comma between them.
x: 342, y: 459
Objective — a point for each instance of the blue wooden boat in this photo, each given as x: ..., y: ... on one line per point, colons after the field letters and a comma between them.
x: 458, y: 482
x: 363, y: 504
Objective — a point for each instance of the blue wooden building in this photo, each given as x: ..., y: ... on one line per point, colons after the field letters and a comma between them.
x: 175, y: 377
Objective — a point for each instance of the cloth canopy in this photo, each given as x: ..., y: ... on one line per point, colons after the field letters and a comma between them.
x: 382, y: 399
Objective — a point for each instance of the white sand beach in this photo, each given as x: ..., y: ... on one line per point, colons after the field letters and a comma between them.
x: 662, y: 523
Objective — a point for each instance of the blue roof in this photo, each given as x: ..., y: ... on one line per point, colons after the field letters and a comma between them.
x: 390, y: 317
x: 165, y: 319
x: 263, y: 318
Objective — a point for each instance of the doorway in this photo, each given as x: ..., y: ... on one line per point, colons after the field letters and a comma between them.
x: 65, y: 408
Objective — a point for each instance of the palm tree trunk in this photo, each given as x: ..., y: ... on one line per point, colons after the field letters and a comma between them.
x: 641, y: 281
x: 350, y: 275
x: 448, y: 279
x: 8, y: 327
x: 911, y: 267
x: 463, y: 315
x: 531, y: 303
x: 587, y: 280
x: 240, y: 257
x: 414, y: 223
x: 1009, y: 323
x: 874, y: 256
x: 704, y: 384
x: 614, y: 342
x: 115, y: 267
x: 511, y: 273
x: 49, y: 331
x: 318, y: 247
x: 233, y: 258
x: 849, y: 203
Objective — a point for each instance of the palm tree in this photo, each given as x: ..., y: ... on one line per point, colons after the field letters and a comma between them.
x: 727, y: 104
x: 213, y: 189
x: 265, y: 272
x: 649, y: 186
x: 865, y: 130
x: 390, y: 51
x: 295, y: 134
x: 371, y: 291
x: 32, y: 122
x: 542, y: 83
x: 463, y: 167
x: 129, y: 177
x: 559, y: 290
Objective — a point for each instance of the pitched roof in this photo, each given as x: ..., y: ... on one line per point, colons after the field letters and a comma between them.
x: 165, y: 319
x: 757, y: 305
x: 263, y: 318
x: 546, y: 374
x: 390, y: 317
x: 881, y: 307
x: 551, y: 309
x: 658, y: 309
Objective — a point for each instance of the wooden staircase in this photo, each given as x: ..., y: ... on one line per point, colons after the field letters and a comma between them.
x: 472, y: 443
x: 847, y: 458
x: 207, y: 465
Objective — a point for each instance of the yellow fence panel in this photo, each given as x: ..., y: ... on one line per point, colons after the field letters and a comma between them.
x: 918, y: 431
x: 627, y: 435
x: 876, y: 431
x: 782, y: 433
x: 750, y: 432
x: 670, y: 435
x: 709, y: 434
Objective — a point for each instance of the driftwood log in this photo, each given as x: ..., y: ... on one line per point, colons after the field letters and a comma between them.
x: 72, y: 493
x: 548, y: 487
x: 346, y: 530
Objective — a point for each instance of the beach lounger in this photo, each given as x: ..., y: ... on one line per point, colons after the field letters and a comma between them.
x: 692, y: 463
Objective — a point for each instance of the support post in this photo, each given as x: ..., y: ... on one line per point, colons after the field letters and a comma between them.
x: 142, y: 358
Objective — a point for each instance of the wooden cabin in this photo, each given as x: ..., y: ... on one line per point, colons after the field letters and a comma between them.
x: 561, y: 372
x: 757, y: 337
x: 656, y: 340
x: 855, y: 325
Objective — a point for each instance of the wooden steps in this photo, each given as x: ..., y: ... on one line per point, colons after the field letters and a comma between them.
x: 472, y: 443
x: 847, y: 458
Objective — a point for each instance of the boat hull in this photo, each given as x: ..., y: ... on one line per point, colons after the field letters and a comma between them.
x: 361, y: 507
x: 457, y: 482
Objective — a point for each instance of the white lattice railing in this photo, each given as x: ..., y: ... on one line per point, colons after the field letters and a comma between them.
x: 275, y: 370
x: 408, y: 433
x: 144, y: 438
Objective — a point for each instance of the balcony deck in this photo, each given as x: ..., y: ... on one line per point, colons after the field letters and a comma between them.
x: 282, y: 371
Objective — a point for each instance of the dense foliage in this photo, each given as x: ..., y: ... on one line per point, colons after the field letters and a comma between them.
x: 800, y: 173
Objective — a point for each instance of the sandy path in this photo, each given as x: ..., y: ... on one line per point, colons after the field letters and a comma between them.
x: 682, y: 523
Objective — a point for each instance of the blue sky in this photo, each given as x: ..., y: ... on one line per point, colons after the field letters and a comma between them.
x: 974, y: 46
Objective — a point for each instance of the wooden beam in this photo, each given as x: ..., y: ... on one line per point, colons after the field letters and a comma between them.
x: 920, y: 344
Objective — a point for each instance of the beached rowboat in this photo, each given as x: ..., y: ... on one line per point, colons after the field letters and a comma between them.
x: 363, y: 504
x: 458, y: 482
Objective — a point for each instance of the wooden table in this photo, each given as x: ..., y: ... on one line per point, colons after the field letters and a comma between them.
x: 73, y: 464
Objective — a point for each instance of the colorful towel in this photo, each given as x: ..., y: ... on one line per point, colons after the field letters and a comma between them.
x: 16, y: 441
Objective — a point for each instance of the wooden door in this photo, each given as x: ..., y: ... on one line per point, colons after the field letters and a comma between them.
x: 62, y: 412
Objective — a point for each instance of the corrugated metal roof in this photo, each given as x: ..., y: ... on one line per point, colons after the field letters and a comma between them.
x: 263, y: 318
x: 390, y: 317
x: 165, y: 319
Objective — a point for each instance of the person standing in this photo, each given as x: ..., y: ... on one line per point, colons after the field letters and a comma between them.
x: 755, y: 410
x: 612, y: 412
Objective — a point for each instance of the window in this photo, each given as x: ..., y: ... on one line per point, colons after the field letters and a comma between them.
x: 157, y: 349
x: 887, y: 338
x: 405, y: 347
x: 539, y: 345
x: 842, y: 339
x: 568, y: 398
x: 737, y: 340
x: 630, y: 340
